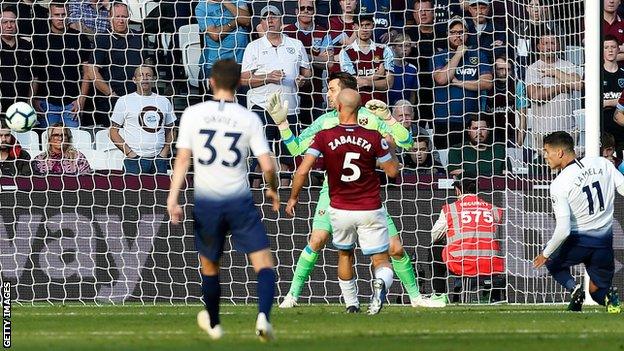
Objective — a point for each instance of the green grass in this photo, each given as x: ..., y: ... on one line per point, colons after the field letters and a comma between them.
x: 318, y: 327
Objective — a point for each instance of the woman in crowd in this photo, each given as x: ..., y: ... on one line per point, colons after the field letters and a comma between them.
x: 61, y: 157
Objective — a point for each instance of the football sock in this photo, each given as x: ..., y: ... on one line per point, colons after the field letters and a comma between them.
x: 564, y: 278
x: 212, y: 293
x: 405, y: 271
x: 349, y: 292
x: 570, y: 285
x: 266, y: 290
x: 305, y: 264
x: 385, y: 274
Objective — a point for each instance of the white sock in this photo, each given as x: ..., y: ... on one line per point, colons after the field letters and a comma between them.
x: 386, y: 274
x: 349, y: 292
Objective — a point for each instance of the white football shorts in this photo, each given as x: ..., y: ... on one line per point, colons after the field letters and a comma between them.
x: 368, y: 228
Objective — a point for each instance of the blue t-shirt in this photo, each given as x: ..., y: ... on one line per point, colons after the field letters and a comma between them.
x: 232, y: 45
x: 405, y: 83
x: 454, y: 102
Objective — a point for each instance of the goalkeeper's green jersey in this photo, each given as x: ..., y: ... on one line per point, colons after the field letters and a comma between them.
x: 298, y: 145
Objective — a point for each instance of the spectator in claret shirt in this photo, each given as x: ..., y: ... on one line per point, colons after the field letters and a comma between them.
x: 341, y: 29
x: 612, y: 87
x: 317, y: 42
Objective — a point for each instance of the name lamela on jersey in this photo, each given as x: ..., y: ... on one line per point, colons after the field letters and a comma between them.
x: 349, y: 139
x: 580, y: 179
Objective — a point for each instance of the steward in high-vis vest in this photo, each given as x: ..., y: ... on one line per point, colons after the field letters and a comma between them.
x: 470, y: 225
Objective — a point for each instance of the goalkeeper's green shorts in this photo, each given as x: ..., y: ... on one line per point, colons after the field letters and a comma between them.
x: 321, y: 216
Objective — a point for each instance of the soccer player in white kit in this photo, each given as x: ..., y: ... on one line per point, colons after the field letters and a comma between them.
x: 218, y: 134
x: 582, y: 195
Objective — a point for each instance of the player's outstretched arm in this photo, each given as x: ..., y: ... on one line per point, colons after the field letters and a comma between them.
x: 269, y: 170
x: 181, y: 166
x: 296, y: 145
x: 299, y: 181
x: 387, y: 124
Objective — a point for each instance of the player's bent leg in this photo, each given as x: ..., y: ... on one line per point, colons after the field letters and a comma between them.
x: 262, y: 262
x: 305, y: 265
x: 346, y: 280
x: 208, y: 319
x: 382, y: 282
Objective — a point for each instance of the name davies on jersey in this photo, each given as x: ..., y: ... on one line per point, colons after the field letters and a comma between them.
x: 350, y: 139
x: 586, y: 173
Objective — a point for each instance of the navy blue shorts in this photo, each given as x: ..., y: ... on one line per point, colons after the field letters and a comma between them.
x: 598, y: 262
x: 214, y: 220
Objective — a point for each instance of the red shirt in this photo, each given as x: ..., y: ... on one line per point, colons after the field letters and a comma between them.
x: 365, y: 65
x: 616, y: 29
x: 350, y: 153
x: 336, y: 28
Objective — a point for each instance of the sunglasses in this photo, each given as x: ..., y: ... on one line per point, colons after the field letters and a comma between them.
x: 56, y: 135
x: 308, y: 8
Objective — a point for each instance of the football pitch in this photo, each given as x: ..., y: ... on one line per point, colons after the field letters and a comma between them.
x: 316, y: 327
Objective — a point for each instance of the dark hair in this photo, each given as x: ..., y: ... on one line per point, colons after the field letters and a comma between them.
x: 560, y: 139
x: 610, y: 37
x: 422, y: 139
x: 10, y: 8
x: 607, y: 141
x: 466, y: 185
x: 347, y: 81
x: 3, y: 123
x: 419, y: 1
x: 359, y: 18
x: 58, y: 3
x: 476, y: 117
x: 226, y: 74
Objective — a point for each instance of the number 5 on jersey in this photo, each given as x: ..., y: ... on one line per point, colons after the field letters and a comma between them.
x: 350, y: 156
x: 213, y: 152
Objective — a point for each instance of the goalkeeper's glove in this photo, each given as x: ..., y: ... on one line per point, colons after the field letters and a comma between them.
x: 380, y: 109
x: 278, y: 110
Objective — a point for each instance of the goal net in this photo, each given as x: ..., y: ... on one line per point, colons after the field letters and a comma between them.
x: 105, y: 236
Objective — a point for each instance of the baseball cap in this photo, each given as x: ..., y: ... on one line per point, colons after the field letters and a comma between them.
x: 456, y: 19
x: 475, y: 2
x: 270, y: 8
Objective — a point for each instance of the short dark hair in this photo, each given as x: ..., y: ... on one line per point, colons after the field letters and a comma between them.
x: 58, y: 3
x: 560, y: 139
x: 226, y: 74
x: 611, y: 37
x: 9, y: 8
x: 3, y: 123
x: 357, y: 19
x: 347, y: 80
x: 466, y: 185
x: 476, y: 117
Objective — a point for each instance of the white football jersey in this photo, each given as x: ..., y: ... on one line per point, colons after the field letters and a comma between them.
x: 585, y: 191
x: 220, y: 135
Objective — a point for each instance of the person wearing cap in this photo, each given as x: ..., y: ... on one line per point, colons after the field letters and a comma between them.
x: 469, y: 226
x: 371, y: 63
x: 224, y: 25
x: 275, y: 62
x: 317, y: 42
x: 462, y: 76
x: 485, y: 33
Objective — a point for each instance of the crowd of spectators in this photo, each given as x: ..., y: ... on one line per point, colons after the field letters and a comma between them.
x: 470, y: 78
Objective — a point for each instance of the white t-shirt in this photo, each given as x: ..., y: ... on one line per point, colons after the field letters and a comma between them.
x: 584, y: 192
x: 143, y: 119
x: 261, y: 57
x: 220, y: 134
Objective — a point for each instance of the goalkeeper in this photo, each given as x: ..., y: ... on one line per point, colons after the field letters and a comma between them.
x: 376, y: 117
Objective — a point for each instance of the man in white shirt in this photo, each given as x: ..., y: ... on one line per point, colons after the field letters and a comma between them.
x: 583, y: 196
x: 550, y: 83
x: 272, y: 63
x: 147, y: 120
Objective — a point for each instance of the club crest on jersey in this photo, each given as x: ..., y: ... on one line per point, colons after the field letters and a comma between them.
x: 290, y: 50
x: 321, y: 212
x: 363, y: 121
x: 384, y: 144
x: 621, y: 83
x: 474, y: 60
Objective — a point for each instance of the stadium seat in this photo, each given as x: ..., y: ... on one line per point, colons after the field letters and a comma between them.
x: 103, y: 142
x: 139, y: 9
x: 104, y: 160
x: 191, y: 52
x: 114, y: 159
x: 443, y: 154
x: 29, y: 142
x: 516, y: 160
x: 82, y: 139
